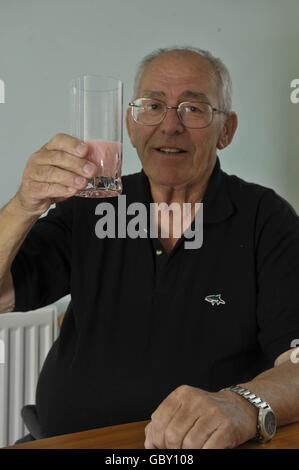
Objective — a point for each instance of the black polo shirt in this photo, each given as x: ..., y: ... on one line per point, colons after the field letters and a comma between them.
x: 142, y: 322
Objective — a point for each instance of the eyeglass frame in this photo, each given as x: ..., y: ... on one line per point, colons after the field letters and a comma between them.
x: 132, y: 105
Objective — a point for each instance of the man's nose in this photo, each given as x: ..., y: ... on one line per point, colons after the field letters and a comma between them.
x: 172, y: 124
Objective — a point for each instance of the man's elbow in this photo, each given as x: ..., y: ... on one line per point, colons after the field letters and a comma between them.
x: 7, y: 295
x: 291, y: 355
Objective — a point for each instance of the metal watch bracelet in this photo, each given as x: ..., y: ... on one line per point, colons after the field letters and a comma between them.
x: 252, y: 398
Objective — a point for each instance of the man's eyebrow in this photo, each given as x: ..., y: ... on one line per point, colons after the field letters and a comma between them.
x: 194, y: 94
x: 186, y: 94
x: 153, y: 93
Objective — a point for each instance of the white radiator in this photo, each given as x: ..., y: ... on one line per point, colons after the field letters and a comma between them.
x: 25, y: 340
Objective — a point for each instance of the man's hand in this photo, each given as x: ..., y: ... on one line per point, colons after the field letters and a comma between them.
x: 191, y: 418
x: 53, y: 173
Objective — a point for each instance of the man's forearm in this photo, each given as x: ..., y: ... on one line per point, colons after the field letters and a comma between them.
x: 279, y: 387
x: 14, y: 226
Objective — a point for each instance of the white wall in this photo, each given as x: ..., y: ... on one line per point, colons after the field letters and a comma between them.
x: 43, y: 44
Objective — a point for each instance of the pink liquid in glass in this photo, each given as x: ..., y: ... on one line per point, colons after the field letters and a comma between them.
x: 107, y: 155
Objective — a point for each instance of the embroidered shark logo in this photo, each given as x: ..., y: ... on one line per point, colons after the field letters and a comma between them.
x: 215, y: 299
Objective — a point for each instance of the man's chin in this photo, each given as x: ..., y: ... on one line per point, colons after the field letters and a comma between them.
x: 167, y: 177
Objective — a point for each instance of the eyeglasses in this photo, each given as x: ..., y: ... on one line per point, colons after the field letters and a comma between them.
x: 151, y: 112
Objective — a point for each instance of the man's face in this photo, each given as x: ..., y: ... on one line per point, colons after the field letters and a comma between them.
x: 171, y: 78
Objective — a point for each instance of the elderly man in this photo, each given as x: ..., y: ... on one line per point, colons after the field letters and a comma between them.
x: 155, y: 330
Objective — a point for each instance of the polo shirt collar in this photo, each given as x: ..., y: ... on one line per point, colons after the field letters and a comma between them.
x: 217, y: 205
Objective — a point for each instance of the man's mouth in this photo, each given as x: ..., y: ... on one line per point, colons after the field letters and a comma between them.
x: 170, y: 150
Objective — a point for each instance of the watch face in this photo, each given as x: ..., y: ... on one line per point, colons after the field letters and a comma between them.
x: 270, y: 423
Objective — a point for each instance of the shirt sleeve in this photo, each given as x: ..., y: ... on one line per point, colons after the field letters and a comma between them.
x: 41, y: 268
x: 277, y: 251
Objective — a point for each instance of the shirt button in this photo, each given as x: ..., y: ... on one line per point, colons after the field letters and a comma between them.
x: 159, y: 252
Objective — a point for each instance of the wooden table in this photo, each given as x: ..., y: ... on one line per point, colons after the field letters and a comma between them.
x: 131, y: 436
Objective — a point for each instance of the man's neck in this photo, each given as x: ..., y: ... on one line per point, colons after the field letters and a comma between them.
x: 192, y: 192
x: 175, y: 221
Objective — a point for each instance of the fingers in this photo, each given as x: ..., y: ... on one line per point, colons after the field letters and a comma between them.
x: 175, y: 416
x: 161, y: 419
x: 51, y: 174
x: 68, y: 144
x: 148, y: 443
x: 206, y: 432
x: 44, y: 190
x: 199, y: 433
x: 221, y: 438
x: 178, y: 427
x: 57, y: 171
x: 42, y: 160
x: 190, y: 418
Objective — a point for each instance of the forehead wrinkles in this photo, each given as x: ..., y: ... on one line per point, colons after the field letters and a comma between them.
x: 174, y: 76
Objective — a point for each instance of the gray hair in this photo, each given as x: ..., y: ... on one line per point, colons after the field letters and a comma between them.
x: 219, y: 67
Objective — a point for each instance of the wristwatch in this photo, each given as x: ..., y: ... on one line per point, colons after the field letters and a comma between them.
x: 266, y: 421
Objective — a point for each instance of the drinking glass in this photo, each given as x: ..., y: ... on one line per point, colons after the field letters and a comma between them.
x: 97, y: 119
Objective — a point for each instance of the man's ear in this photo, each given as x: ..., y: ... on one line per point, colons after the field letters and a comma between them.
x: 228, y: 130
x: 130, y: 124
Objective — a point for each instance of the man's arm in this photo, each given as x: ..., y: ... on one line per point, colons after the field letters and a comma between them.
x: 191, y: 418
x: 15, y: 225
x: 54, y: 173
x: 279, y: 387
